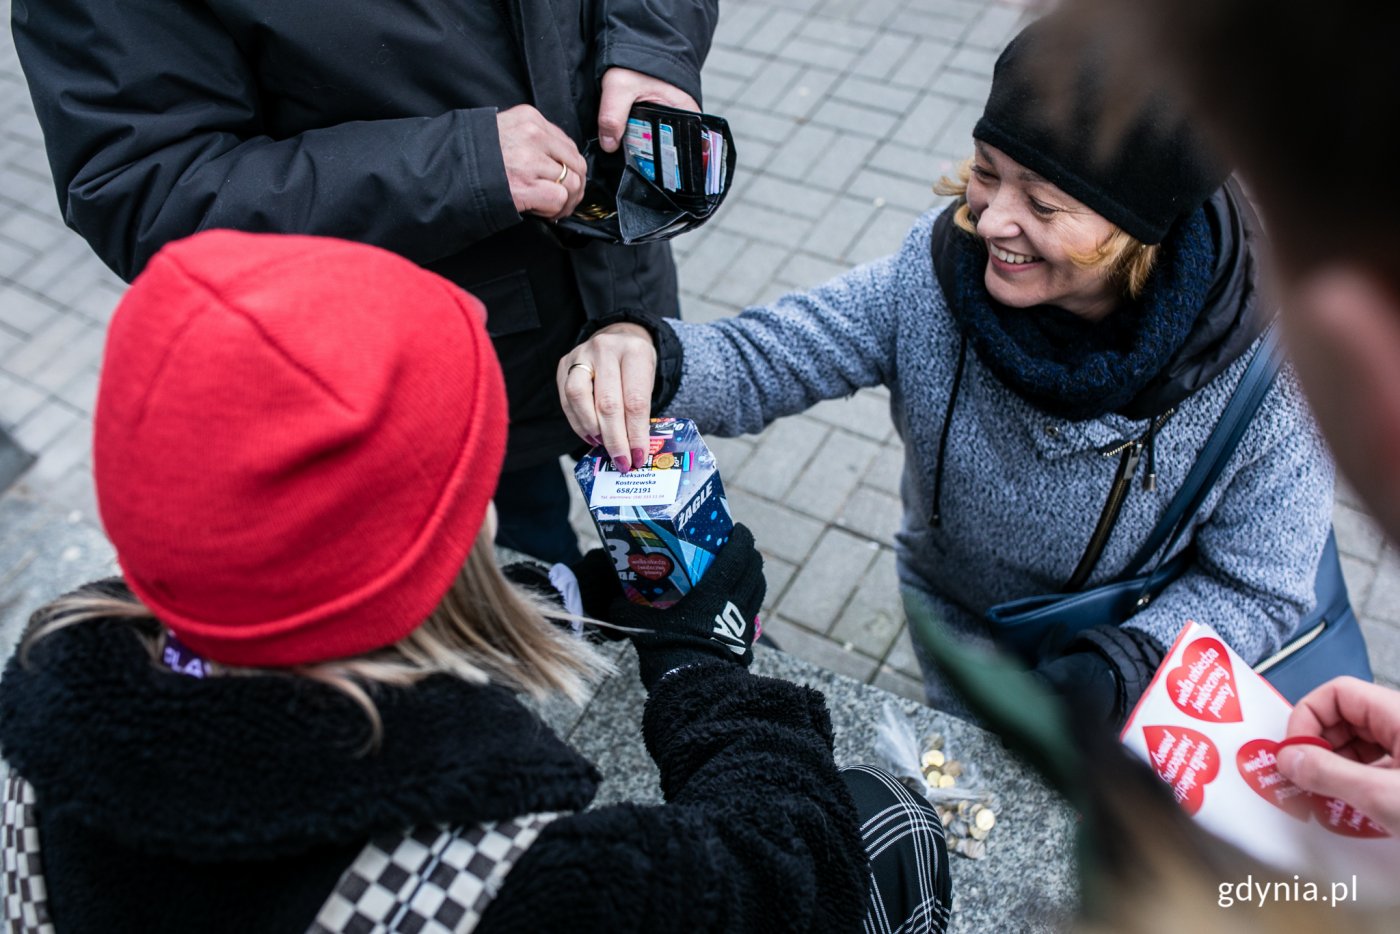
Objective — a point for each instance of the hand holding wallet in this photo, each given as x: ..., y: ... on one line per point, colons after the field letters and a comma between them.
x: 671, y: 172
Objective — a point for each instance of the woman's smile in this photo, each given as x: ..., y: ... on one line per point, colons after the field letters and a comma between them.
x: 1017, y: 261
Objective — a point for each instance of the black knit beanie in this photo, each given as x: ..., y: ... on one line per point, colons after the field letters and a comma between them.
x: 1142, y: 177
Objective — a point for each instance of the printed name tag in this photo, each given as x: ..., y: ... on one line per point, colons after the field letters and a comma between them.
x: 643, y: 487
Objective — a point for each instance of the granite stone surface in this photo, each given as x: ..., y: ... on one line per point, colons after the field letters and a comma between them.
x: 1025, y: 883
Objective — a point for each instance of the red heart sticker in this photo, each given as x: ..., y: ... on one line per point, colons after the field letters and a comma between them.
x: 1185, y: 759
x: 1256, y: 762
x: 1341, y: 818
x: 651, y: 566
x: 1203, y: 685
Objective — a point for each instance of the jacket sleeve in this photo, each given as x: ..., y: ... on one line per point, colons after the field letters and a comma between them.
x: 758, y: 832
x: 667, y: 39
x: 1258, y: 548
x: 152, y: 121
x: 738, y: 374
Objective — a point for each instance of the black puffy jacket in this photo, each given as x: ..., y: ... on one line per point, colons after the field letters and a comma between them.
x: 368, y: 121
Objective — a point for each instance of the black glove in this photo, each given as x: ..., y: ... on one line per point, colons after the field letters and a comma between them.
x: 1103, y: 672
x: 598, y: 586
x: 716, y: 619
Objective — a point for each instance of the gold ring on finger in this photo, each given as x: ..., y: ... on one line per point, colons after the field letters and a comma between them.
x: 563, y: 174
x: 586, y: 366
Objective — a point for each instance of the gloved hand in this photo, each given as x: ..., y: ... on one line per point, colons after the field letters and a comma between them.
x: 716, y: 619
x: 593, y: 573
x: 598, y: 586
x: 1103, y: 671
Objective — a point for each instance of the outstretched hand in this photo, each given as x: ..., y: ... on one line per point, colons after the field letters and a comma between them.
x: 1362, y: 722
x: 605, y: 387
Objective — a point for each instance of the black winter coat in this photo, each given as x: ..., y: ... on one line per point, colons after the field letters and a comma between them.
x: 172, y: 804
x: 373, y: 122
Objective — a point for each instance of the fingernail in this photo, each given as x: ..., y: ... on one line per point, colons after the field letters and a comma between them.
x: 593, y: 440
x: 622, y: 463
x: 609, y: 143
x: 1317, y: 741
x: 639, y: 457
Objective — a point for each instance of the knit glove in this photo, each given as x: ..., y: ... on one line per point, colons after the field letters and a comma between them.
x: 1103, y: 671
x: 718, y: 618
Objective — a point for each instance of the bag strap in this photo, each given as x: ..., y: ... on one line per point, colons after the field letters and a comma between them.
x: 1223, y: 440
x: 435, y: 879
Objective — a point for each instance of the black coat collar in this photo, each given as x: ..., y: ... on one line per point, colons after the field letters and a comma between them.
x: 238, y: 767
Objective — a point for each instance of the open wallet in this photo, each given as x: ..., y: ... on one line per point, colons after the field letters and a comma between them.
x: 671, y: 172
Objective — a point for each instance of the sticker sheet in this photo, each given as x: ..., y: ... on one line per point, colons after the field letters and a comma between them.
x: 1209, y: 726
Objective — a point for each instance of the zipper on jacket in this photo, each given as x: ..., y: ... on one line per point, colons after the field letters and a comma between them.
x: 1149, y: 480
x: 935, y: 515
x: 1132, y: 451
x: 1127, y: 467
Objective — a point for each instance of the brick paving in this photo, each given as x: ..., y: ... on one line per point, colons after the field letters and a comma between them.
x: 844, y: 111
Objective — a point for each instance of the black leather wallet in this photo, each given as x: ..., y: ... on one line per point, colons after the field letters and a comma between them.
x: 671, y: 172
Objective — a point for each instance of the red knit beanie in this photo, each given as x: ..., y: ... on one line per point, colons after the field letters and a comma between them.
x: 296, y: 442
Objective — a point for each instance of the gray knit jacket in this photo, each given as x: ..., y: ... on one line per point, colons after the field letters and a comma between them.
x: 1022, y: 491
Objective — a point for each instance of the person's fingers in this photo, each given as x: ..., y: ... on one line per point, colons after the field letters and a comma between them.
x: 1345, y: 710
x: 575, y: 380
x: 557, y: 146
x: 613, y: 107
x: 621, y: 88
x: 1371, y: 790
x: 545, y: 168
x: 612, y: 421
x: 638, y: 371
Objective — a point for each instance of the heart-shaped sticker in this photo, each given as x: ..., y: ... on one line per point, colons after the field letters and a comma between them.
x: 1203, y: 685
x: 651, y: 566
x: 1256, y: 762
x: 1185, y: 759
x: 1341, y: 818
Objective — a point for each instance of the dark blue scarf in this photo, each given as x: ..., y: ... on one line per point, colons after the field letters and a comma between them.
x: 1061, y: 363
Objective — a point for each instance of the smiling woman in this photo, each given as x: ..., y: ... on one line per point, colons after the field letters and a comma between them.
x: 1075, y: 319
x: 1087, y: 265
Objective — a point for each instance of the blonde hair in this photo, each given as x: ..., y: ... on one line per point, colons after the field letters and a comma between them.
x: 1129, y: 260
x: 484, y: 630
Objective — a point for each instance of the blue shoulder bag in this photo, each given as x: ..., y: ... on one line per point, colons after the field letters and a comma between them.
x: 1328, y: 641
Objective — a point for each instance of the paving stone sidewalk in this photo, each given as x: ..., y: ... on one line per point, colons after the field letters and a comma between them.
x: 845, y: 111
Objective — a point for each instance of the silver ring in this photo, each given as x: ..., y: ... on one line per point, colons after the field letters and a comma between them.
x: 586, y: 366
x: 563, y: 174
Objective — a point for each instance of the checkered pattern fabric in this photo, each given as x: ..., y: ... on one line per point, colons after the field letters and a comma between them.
x: 431, y: 880
x: 21, y: 875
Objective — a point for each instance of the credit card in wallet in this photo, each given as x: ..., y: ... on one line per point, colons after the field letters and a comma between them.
x: 722, y: 166
x: 636, y: 143
x: 670, y: 165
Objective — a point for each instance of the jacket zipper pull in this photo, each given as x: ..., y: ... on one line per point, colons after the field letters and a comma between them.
x: 1132, y: 455
x: 1149, y: 482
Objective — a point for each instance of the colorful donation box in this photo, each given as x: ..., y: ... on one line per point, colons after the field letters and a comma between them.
x: 664, y: 520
